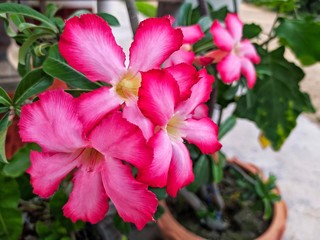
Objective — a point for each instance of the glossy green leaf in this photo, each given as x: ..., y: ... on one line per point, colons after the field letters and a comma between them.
x: 28, y: 12
x: 4, y: 98
x: 205, y: 23
x: 147, y: 9
x: 26, y: 46
x: 251, y: 30
x: 226, y: 126
x: 20, y: 161
x: 33, y: 83
x: 58, y: 68
x: 277, y: 99
x: 51, y: 10
x: 110, y: 19
x: 184, y: 14
x: 4, y: 124
x: 302, y: 36
x: 201, y: 173
x: 10, y: 216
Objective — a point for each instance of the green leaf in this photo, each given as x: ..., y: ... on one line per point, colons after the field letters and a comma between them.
x: 205, y: 23
x: 217, y: 168
x: 123, y: 227
x: 26, y: 11
x: 277, y: 98
x: 251, y: 30
x: 219, y: 14
x: 58, y: 68
x: 4, y: 98
x: 147, y: 9
x: 204, y: 44
x: 33, y: 83
x: 4, y: 124
x: 201, y: 173
x: 159, y: 192
x: 111, y: 20
x: 51, y: 10
x: 159, y: 212
x: 267, y: 209
x: 10, y: 216
x: 226, y: 126
x: 26, y: 46
x: 302, y: 36
x: 20, y: 161
x: 184, y: 14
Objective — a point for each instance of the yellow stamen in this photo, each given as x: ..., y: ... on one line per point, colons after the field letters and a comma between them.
x: 129, y: 86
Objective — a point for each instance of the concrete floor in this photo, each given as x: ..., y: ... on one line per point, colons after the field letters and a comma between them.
x: 297, y: 165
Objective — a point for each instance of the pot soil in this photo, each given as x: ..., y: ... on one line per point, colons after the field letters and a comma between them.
x: 246, y: 220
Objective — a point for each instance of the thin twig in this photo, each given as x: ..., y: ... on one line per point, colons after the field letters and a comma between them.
x: 243, y: 173
x: 235, y: 6
x: 203, y: 7
x: 133, y: 15
x: 193, y: 200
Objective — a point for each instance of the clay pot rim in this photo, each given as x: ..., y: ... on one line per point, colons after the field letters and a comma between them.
x: 275, y: 230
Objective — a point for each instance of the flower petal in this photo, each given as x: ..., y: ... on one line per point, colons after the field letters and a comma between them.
x: 158, y: 95
x: 180, y: 172
x: 234, y: 26
x: 200, y: 93
x: 47, y: 170
x: 203, y: 133
x: 221, y: 37
x: 180, y: 56
x: 88, y: 45
x: 132, y: 199
x: 201, y: 111
x: 229, y: 68
x: 249, y: 72
x: 156, y: 174
x: 88, y: 200
x: 248, y: 51
x: 155, y: 40
x: 132, y: 113
x: 93, y: 106
x: 186, y: 76
x: 192, y: 34
x: 52, y: 122
x: 122, y: 140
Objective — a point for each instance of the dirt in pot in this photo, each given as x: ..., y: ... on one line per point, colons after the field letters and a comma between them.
x: 242, y: 217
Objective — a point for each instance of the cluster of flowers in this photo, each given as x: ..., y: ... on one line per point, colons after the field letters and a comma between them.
x: 140, y: 119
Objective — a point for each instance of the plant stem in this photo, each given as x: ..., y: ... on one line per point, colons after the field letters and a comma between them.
x: 213, y: 99
x: 243, y: 173
x: 193, y: 200
x: 203, y: 7
x: 132, y: 11
x: 218, y: 197
x: 235, y: 6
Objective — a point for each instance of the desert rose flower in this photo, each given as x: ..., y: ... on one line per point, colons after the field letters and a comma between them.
x: 191, y: 35
x: 99, y: 160
x: 234, y: 56
x: 172, y: 115
x: 88, y: 45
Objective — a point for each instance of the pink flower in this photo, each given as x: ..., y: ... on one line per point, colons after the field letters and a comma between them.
x: 88, y: 45
x: 99, y: 160
x: 191, y: 34
x: 160, y: 100
x: 234, y: 56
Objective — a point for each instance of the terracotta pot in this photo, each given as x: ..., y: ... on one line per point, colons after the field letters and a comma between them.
x: 173, y: 230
